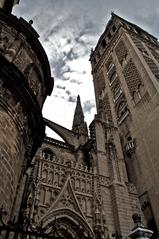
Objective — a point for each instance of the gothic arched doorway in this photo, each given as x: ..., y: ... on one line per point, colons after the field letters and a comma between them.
x: 67, y: 224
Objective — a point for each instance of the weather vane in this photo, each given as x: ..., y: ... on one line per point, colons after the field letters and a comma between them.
x: 8, y: 4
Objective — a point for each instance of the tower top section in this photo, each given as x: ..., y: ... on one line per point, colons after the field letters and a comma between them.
x: 78, y: 115
x: 79, y: 125
x: 8, y: 4
x: 112, y: 30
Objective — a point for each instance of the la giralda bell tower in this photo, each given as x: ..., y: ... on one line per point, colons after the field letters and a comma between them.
x: 125, y: 69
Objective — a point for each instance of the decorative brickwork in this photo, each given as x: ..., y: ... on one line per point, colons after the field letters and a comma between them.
x: 139, y: 44
x: 155, y: 53
x: 132, y: 77
x: 54, y: 174
x: 153, y: 67
x: 121, y: 51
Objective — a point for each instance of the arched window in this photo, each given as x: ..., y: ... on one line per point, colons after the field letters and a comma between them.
x: 110, y: 65
x: 112, y: 76
x: 122, y: 111
x: 48, y: 154
x: 117, y: 91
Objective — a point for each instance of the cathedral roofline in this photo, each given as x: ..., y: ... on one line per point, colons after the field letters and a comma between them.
x: 132, y: 24
x: 58, y: 143
x: 79, y: 126
x: 67, y: 135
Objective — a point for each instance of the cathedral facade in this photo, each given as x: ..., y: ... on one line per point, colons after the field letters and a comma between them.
x: 90, y: 184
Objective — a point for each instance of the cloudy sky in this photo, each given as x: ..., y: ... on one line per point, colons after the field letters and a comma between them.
x: 68, y: 30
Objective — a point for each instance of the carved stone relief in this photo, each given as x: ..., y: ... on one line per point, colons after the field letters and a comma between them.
x: 15, y: 48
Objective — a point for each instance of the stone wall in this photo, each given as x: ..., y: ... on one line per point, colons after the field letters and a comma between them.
x: 11, y: 152
x: 25, y: 82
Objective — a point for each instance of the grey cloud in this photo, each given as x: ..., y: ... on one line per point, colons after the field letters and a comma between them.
x: 68, y: 92
x: 72, y: 99
x: 51, y: 32
x: 60, y: 67
x: 151, y: 21
x: 76, y: 81
x: 57, y: 66
x: 70, y: 55
x: 65, y: 78
x: 61, y: 87
x: 59, y: 96
x: 69, y: 41
x: 66, y: 69
x: 88, y: 105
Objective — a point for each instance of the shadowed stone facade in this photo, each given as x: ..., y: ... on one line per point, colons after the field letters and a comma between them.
x: 25, y: 82
x: 82, y: 184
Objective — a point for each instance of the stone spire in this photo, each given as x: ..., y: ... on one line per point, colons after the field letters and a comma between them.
x: 8, y: 4
x: 79, y: 126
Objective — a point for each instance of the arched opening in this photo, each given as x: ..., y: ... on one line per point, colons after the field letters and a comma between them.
x: 68, y: 224
x: 122, y: 111
x: 113, y: 76
x: 116, y: 91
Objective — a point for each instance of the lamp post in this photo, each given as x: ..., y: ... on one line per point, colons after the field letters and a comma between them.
x: 139, y: 231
